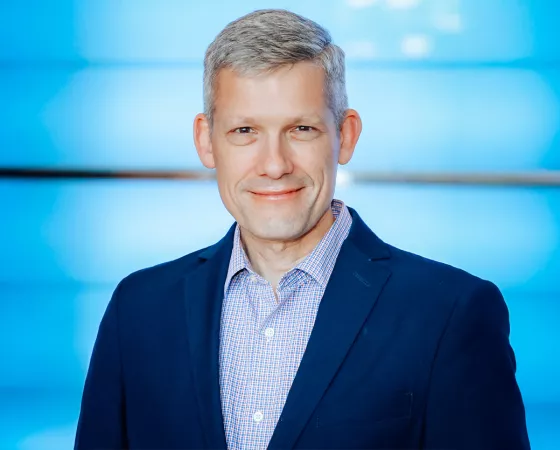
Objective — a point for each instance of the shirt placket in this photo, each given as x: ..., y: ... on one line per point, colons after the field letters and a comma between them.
x: 238, y: 363
x: 259, y: 415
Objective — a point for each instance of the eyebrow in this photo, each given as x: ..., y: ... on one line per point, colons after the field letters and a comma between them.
x: 311, y: 118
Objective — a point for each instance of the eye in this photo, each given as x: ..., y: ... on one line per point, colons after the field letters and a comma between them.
x: 305, y: 133
x: 304, y: 128
x: 243, y: 130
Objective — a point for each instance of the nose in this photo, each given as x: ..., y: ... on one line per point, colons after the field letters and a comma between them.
x: 275, y: 161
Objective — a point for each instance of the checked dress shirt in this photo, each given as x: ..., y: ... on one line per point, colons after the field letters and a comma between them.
x: 262, y: 340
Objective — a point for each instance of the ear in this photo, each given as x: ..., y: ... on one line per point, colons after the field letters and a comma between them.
x: 349, y: 134
x: 203, y: 141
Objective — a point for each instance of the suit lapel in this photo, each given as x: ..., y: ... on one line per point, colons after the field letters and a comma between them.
x: 351, y: 293
x: 204, y: 296
x: 356, y: 282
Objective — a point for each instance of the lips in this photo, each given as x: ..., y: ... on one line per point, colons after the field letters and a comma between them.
x: 282, y: 192
x: 276, y: 195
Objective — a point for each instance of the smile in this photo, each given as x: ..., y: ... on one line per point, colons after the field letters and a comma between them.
x: 277, y: 195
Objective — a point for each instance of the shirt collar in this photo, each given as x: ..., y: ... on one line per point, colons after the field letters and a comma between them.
x: 319, y: 264
x: 238, y: 261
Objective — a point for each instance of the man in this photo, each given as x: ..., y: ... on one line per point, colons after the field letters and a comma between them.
x: 300, y: 328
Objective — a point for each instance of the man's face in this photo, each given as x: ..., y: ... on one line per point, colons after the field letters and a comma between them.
x: 275, y: 148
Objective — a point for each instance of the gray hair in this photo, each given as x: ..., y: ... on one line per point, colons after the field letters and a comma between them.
x: 268, y: 39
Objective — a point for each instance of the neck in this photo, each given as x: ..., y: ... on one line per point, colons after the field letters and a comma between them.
x: 272, y: 259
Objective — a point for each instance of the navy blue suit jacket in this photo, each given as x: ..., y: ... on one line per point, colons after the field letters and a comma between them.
x: 406, y: 353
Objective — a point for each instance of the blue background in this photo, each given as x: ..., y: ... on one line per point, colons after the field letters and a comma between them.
x: 442, y: 86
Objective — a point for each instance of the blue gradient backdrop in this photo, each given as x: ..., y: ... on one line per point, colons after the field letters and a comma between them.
x: 443, y: 85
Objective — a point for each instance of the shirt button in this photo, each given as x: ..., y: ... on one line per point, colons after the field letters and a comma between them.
x: 269, y: 332
x: 258, y: 416
x: 253, y: 278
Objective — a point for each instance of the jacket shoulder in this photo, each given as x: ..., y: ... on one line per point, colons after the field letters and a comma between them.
x: 431, y: 293
x: 428, y: 275
x: 406, y: 260
x: 161, y: 275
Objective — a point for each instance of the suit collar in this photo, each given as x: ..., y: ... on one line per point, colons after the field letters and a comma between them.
x: 366, y: 241
x: 223, y: 244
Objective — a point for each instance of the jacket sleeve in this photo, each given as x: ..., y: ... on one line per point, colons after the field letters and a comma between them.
x: 474, y: 401
x: 101, y: 424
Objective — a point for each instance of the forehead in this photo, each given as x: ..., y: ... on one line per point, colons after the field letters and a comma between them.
x: 291, y: 90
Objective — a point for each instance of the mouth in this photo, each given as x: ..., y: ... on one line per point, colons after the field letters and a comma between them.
x: 284, y: 194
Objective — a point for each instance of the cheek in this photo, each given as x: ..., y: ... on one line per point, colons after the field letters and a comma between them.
x: 319, y: 164
x: 231, y: 171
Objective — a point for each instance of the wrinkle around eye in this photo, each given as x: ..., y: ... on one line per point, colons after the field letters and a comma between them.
x: 242, y: 136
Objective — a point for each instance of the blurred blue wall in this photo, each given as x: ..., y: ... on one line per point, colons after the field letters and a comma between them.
x: 442, y: 85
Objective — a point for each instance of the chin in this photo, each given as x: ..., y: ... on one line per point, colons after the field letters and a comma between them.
x: 277, y: 230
